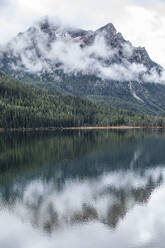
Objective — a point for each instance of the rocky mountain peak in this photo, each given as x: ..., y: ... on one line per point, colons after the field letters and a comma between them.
x: 108, y: 28
x: 46, y: 23
x: 103, y: 52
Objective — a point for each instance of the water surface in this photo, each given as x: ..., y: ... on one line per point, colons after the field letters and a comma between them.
x: 82, y: 189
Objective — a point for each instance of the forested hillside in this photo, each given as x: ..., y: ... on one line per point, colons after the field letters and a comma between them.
x: 26, y: 106
x: 147, y: 98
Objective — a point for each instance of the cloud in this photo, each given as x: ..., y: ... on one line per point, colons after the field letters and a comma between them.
x: 5, y: 4
x: 153, y: 76
x: 123, y: 72
x: 76, y: 59
x: 72, y: 55
x: 146, y: 28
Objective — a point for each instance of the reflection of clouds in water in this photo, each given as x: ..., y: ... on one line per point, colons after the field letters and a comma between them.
x: 146, y: 223
x: 130, y: 179
x: 87, y: 206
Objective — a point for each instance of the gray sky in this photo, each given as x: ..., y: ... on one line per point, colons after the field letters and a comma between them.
x: 140, y: 21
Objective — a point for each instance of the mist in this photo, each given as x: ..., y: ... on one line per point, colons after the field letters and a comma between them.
x: 35, y: 51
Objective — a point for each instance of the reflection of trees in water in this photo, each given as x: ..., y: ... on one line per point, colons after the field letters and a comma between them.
x: 70, y: 154
x: 33, y: 149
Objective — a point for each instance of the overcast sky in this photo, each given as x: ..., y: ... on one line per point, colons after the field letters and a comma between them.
x: 140, y: 21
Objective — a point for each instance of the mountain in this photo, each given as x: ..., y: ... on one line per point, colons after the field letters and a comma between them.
x: 99, y: 65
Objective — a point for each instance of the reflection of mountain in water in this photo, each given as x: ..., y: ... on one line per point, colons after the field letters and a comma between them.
x: 58, y: 179
x: 106, y: 199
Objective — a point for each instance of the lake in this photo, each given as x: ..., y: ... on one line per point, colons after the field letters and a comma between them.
x: 76, y: 189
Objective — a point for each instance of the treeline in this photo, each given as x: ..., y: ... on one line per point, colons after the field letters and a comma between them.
x: 27, y: 106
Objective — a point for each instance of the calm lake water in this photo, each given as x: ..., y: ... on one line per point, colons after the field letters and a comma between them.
x: 77, y: 189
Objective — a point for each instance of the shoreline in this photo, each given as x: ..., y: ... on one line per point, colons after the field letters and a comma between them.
x: 111, y: 127
x: 2, y: 130
x: 29, y: 129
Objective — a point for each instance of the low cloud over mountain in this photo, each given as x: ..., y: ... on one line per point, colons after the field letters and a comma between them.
x: 50, y: 46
